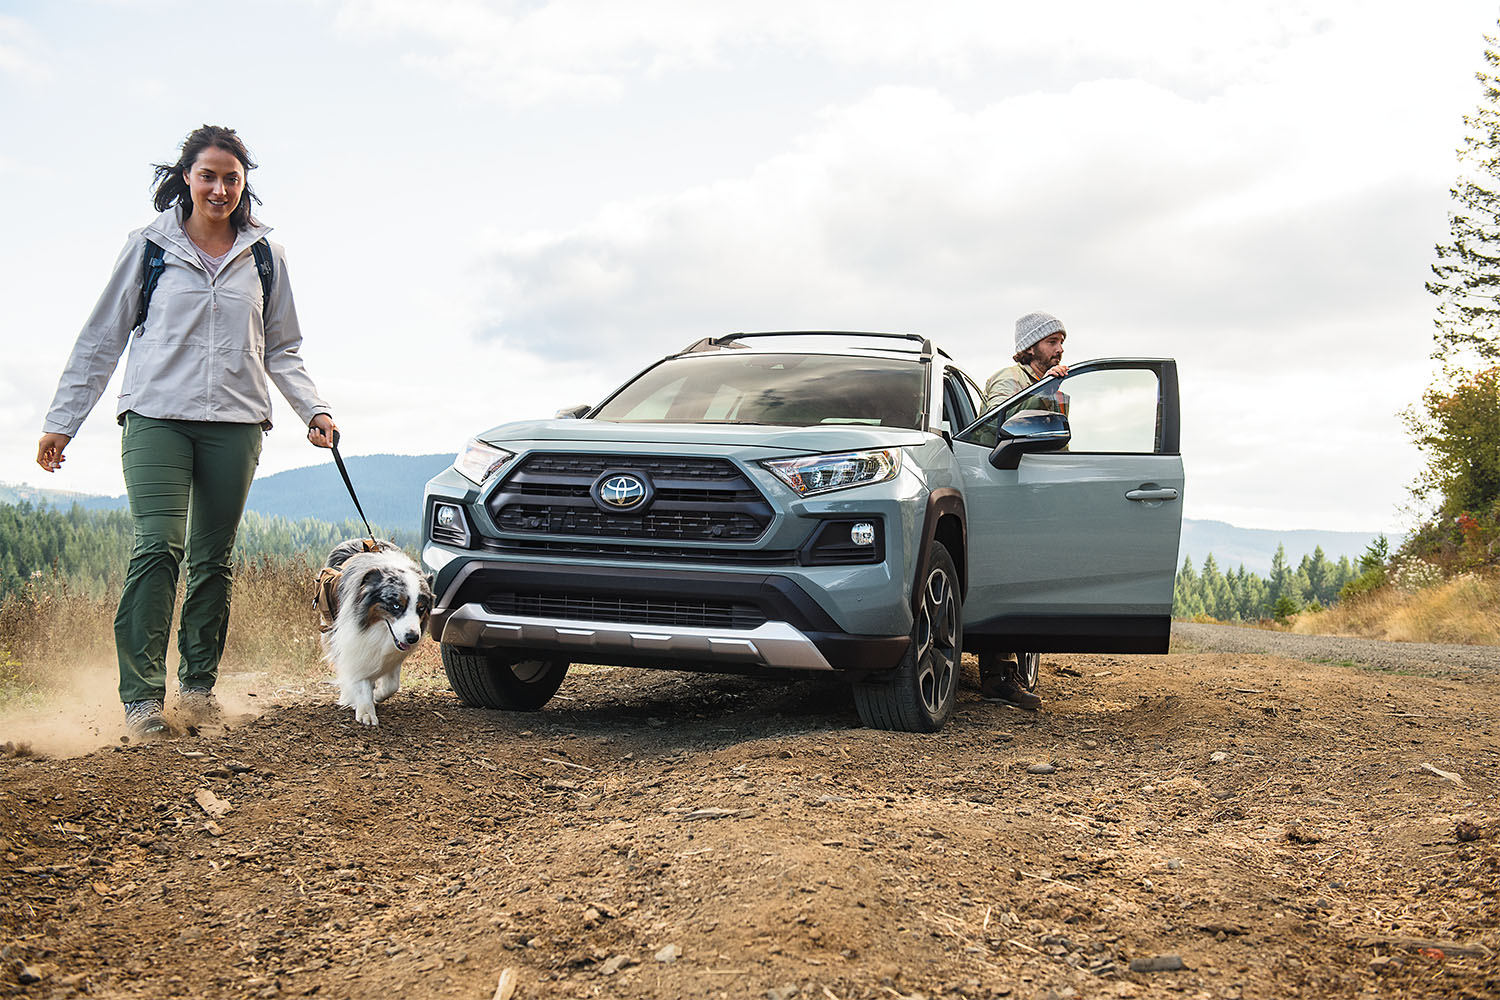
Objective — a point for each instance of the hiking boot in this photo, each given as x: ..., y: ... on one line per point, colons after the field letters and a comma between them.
x: 1005, y: 689
x: 1000, y: 680
x: 197, y: 705
x: 145, y: 719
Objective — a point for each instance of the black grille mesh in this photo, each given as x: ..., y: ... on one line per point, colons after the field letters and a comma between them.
x: 695, y: 499
x: 627, y: 610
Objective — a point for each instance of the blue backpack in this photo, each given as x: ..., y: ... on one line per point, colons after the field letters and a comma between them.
x: 153, y: 263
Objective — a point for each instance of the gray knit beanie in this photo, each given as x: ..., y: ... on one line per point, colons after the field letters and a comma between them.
x: 1034, y: 327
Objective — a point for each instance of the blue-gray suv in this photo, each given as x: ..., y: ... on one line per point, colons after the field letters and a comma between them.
x: 773, y: 503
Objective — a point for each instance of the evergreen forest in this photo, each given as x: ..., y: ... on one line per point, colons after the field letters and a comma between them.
x: 89, y: 549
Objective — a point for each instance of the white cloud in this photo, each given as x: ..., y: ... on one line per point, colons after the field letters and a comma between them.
x: 906, y: 211
x: 22, y: 54
x: 521, y: 51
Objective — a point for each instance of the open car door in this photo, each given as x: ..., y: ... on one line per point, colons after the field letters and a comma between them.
x: 1073, y: 493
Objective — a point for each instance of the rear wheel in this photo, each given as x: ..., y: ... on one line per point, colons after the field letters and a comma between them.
x: 919, y: 694
x: 1028, y: 668
x: 486, y: 680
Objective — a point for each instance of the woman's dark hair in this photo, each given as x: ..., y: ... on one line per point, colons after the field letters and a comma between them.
x: 171, y: 189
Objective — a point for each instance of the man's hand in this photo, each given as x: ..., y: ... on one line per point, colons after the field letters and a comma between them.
x: 49, y: 451
x: 1058, y: 370
x: 320, y: 432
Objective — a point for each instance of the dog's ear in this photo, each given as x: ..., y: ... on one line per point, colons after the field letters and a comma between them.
x: 370, y: 580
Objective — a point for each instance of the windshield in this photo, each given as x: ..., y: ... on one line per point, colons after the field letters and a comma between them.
x: 798, y: 390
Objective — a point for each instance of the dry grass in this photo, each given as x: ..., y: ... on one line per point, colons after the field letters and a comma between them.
x: 49, y: 627
x: 1464, y: 609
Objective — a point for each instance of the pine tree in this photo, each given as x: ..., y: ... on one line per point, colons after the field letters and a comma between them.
x: 1283, y: 581
x: 1320, y: 586
x: 1187, y: 598
x: 1466, y: 277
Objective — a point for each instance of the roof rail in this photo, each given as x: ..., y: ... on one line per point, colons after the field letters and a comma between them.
x: 736, y: 340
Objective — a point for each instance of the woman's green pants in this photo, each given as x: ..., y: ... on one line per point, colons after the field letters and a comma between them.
x: 187, y: 481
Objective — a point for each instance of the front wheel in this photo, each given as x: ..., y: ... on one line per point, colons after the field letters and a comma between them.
x: 919, y: 694
x: 489, y: 681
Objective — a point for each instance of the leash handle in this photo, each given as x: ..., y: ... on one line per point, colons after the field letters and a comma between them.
x: 348, y: 484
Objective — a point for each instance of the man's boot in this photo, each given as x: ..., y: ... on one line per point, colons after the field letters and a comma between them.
x: 1000, y: 680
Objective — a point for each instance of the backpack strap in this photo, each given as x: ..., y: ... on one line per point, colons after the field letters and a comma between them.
x: 266, y: 268
x: 326, y: 597
x: 152, y: 264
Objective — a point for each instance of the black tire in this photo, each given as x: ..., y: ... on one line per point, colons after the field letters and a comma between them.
x: 919, y: 695
x: 1028, y: 670
x: 485, y: 680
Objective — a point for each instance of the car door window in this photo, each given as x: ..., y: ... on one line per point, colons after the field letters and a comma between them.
x: 1109, y: 411
x: 1112, y: 411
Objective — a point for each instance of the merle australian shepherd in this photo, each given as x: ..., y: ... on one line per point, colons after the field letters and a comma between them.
x: 381, y: 611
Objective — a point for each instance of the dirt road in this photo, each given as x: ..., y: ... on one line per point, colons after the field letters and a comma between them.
x: 1204, y: 824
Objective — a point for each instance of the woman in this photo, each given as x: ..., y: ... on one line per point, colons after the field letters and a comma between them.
x: 194, y: 405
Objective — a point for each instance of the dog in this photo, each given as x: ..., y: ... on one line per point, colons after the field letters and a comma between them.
x: 375, y: 604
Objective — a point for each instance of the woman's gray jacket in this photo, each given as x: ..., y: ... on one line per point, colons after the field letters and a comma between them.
x: 206, y: 349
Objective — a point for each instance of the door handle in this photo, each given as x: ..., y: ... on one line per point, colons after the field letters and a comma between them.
x: 1151, y: 493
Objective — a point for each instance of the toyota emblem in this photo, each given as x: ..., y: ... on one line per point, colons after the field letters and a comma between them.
x: 622, y: 491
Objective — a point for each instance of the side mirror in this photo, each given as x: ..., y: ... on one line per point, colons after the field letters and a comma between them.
x: 1030, y: 431
x: 573, y: 412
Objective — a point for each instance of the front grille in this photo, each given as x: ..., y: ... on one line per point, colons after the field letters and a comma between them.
x: 627, y: 610
x: 694, y: 499
x: 664, y: 467
x: 555, y: 519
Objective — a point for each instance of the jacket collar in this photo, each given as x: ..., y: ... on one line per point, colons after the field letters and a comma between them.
x: 167, y: 229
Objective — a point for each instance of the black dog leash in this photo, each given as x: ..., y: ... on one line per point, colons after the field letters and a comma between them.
x: 349, y: 485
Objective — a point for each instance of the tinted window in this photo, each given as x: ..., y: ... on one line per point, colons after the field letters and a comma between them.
x: 746, y: 387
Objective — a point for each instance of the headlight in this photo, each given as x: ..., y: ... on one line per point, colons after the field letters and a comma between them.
x: 825, y: 473
x: 479, y: 461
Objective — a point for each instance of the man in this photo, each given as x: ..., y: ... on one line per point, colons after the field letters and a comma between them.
x: 1039, y: 351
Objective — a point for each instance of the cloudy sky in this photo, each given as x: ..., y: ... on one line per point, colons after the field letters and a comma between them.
x: 494, y: 208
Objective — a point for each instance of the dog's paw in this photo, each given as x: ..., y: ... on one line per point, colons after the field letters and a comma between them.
x: 366, y: 716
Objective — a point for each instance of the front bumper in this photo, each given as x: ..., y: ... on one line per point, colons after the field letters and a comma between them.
x: 720, y: 621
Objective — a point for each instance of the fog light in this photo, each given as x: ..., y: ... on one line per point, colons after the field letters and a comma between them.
x: 862, y: 533
x: 447, y: 517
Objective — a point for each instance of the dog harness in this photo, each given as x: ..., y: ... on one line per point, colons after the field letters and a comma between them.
x: 326, y: 591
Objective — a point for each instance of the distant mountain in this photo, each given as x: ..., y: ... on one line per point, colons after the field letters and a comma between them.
x: 390, y: 489
x: 1256, y: 547
x: 19, y: 493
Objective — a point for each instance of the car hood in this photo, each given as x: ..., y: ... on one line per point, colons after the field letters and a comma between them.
x: 585, y: 434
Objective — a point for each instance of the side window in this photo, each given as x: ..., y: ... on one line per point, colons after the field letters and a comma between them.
x: 1114, y: 410
x: 974, y: 394
x: 958, y: 405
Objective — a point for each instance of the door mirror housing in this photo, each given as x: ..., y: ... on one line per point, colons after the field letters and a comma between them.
x: 573, y: 412
x: 1030, y: 431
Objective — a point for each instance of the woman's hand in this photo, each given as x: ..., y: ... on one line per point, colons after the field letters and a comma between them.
x: 320, y: 432
x: 49, y: 451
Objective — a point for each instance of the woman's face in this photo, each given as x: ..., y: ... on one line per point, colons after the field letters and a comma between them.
x: 215, y: 181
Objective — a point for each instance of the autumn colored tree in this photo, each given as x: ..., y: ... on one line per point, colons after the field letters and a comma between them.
x: 1466, y: 277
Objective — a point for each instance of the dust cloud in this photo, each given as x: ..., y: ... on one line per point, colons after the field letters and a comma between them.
x: 82, y: 712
